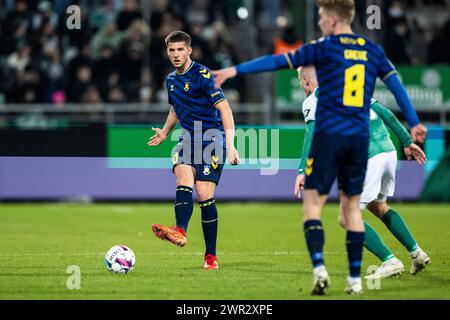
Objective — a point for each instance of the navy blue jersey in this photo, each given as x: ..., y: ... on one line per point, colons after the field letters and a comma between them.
x: 193, y: 96
x: 347, y: 67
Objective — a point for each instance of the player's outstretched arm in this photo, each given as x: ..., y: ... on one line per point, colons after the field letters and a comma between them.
x: 418, y: 130
x: 161, y: 134
x: 261, y: 64
x: 228, y: 126
x: 306, y: 55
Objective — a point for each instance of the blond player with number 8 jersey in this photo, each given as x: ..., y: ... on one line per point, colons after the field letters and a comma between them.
x: 347, y: 68
x: 379, y: 182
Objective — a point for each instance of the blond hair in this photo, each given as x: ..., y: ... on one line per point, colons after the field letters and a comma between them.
x: 344, y: 9
x: 306, y: 69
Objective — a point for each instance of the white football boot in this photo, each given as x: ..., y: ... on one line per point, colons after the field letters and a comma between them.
x: 354, y: 286
x: 419, y: 260
x: 321, y: 281
x: 390, y: 268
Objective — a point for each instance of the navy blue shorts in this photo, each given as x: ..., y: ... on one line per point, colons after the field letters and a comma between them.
x: 207, y: 160
x: 335, y: 156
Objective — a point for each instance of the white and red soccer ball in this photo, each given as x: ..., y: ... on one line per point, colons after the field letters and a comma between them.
x: 120, y: 259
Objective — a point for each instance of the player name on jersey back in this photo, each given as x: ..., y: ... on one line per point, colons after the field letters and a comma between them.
x: 347, y: 67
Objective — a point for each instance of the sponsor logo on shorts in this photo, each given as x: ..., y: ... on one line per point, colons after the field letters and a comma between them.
x: 206, y: 170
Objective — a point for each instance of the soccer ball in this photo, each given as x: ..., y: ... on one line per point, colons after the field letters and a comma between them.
x: 120, y: 259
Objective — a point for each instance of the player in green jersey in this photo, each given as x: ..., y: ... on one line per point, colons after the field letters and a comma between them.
x: 379, y: 182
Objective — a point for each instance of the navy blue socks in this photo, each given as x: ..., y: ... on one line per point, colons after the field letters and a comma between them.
x: 355, y: 242
x: 183, y: 206
x: 209, y: 224
x: 315, y: 240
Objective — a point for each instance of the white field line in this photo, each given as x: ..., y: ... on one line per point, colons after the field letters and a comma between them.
x: 263, y: 253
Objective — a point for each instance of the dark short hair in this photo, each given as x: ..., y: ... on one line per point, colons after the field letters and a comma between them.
x: 178, y: 36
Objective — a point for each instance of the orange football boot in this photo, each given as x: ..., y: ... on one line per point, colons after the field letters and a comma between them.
x: 173, y: 234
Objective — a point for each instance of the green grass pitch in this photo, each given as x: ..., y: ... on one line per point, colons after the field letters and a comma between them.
x: 261, y: 250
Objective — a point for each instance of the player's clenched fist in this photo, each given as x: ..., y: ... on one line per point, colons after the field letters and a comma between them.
x: 419, y: 133
x: 157, y: 138
x: 233, y: 156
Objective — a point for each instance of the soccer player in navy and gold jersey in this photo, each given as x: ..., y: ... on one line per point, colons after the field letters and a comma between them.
x: 207, y: 120
x: 347, y: 67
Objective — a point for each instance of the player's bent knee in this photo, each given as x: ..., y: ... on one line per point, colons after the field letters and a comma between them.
x: 349, y: 205
x: 185, y: 181
x: 184, y: 175
x: 204, y: 196
x: 379, y: 209
x: 205, y: 190
x: 311, y: 212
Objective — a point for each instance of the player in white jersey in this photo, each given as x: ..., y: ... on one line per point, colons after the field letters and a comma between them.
x: 379, y: 183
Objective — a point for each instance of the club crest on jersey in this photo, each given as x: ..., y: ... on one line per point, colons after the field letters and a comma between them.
x: 206, y: 170
x: 172, y: 87
x: 186, y: 87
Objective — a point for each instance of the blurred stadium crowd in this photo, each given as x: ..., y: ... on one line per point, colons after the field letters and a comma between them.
x: 119, y: 53
x: 115, y: 57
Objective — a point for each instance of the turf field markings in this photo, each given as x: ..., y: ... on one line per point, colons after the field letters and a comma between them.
x: 263, y: 253
x: 122, y: 209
